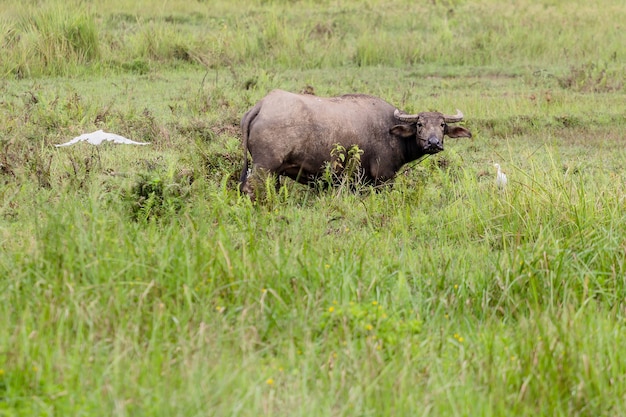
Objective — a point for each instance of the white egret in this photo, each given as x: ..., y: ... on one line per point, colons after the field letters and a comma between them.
x: 500, y: 177
x: 99, y: 136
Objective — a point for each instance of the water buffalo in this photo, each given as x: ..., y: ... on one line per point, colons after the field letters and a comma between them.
x: 293, y: 135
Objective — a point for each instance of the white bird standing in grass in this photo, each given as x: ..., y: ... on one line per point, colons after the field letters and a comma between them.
x: 500, y: 177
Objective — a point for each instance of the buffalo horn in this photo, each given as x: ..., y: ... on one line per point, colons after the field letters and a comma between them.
x: 453, y: 119
x: 405, y: 117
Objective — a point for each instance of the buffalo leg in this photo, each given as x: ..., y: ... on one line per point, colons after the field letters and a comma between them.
x: 256, y: 180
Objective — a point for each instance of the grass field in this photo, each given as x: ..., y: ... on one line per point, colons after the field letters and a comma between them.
x: 136, y: 281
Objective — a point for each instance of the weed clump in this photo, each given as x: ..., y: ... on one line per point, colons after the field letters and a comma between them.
x: 152, y: 197
x: 592, y: 77
x: 344, y: 168
x: 22, y: 162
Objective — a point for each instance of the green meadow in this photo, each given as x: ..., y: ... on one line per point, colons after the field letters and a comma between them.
x: 137, y: 281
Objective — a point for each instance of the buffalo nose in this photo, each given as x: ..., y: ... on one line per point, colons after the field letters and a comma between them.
x: 433, y: 142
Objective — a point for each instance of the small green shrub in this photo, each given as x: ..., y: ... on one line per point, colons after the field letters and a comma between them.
x: 152, y: 197
x: 137, y: 65
x: 344, y: 168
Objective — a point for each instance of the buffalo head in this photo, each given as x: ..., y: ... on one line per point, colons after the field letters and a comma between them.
x: 429, y: 129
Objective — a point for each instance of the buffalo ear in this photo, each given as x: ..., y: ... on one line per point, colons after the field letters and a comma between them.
x: 458, y: 132
x: 404, y: 131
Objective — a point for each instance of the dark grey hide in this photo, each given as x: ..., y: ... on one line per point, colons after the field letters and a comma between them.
x: 293, y: 135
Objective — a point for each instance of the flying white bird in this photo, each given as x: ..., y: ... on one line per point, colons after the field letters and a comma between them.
x: 500, y: 177
x: 99, y: 136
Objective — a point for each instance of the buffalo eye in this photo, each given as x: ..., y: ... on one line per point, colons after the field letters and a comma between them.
x: 443, y: 124
x: 419, y: 124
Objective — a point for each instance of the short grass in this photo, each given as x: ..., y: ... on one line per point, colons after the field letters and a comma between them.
x: 137, y: 281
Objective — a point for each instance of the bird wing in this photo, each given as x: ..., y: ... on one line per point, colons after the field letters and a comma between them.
x: 121, y: 139
x: 99, y: 136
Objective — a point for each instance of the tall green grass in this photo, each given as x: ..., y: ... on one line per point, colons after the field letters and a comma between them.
x: 50, y: 40
x: 457, y: 297
x: 57, y: 40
